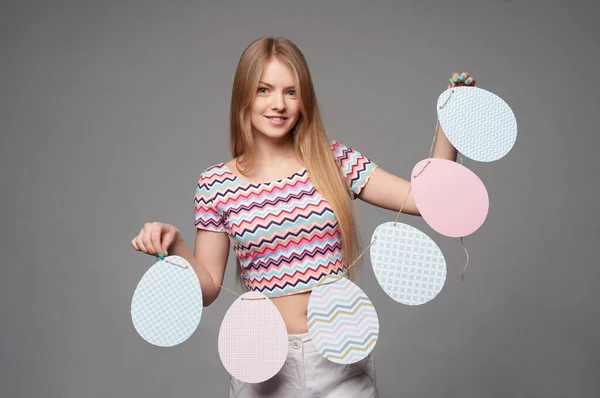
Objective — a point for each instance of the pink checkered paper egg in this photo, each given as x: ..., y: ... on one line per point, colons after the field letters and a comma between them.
x: 253, y: 340
x: 451, y: 198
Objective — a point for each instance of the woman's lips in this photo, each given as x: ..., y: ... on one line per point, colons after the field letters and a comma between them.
x: 277, y: 120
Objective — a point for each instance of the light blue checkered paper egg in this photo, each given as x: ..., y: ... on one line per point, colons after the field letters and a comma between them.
x: 478, y: 123
x: 167, y: 304
x: 408, y: 265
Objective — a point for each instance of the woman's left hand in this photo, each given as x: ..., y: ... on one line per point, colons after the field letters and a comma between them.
x: 461, y: 79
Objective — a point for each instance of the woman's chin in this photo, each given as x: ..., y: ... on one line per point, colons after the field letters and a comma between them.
x: 274, y: 133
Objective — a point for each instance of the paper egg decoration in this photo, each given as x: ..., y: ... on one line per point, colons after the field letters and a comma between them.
x: 167, y: 303
x: 408, y: 265
x: 450, y: 197
x: 478, y: 123
x: 253, y: 340
x: 342, y: 321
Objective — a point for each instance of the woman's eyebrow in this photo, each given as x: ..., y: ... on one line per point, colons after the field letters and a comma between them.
x: 270, y: 86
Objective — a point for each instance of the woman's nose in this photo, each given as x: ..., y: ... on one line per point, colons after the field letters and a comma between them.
x: 278, y: 102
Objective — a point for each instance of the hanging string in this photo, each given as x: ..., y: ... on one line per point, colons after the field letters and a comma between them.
x: 461, y: 162
x: 210, y: 279
x: 320, y: 283
x: 433, y: 142
x: 467, y: 253
x: 348, y: 268
x: 447, y: 99
x: 437, y: 124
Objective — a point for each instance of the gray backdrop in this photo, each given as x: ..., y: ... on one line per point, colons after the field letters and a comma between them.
x: 111, y: 109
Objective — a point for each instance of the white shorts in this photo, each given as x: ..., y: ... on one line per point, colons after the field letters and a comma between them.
x: 306, y: 373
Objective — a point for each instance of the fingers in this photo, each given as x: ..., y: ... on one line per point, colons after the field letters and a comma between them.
x: 460, y: 79
x: 142, y: 242
x: 455, y: 78
x: 155, y: 238
x: 148, y: 240
x: 138, y: 242
x: 151, y: 240
x: 134, y: 244
x: 168, y: 239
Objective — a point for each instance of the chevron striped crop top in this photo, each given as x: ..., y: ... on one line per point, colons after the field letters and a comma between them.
x: 284, y: 233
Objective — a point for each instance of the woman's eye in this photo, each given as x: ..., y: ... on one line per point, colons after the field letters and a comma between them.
x: 292, y: 92
x: 262, y: 90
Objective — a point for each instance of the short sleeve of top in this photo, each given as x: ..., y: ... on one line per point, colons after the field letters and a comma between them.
x: 357, y: 168
x: 207, y: 216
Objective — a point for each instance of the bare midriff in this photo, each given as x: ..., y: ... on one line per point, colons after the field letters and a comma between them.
x: 294, y: 310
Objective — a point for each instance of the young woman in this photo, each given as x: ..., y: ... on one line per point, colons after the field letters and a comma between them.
x: 284, y: 204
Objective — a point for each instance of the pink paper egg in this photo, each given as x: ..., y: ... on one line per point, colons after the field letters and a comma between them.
x: 253, y: 339
x: 451, y: 198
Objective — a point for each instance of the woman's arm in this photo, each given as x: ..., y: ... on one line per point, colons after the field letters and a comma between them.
x: 388, y: 191
x: 209, y: 260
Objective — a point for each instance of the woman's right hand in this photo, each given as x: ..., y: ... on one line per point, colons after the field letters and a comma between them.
x: 155, y: 238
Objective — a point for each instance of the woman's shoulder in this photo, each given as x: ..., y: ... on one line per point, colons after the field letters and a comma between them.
x: 214, y: 174
x: 214, y: 179
x: 339, y: 150
x: 337, y: 146
x: 214, y: 168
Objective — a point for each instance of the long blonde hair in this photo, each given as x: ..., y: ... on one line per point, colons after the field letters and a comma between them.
x: 310, y: 140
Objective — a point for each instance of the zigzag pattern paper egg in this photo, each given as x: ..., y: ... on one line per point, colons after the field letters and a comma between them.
x: 342, y: 321
x: 253, y: 339
x: 451, y: 198
x: 167, y: 303
x: 478, y: 123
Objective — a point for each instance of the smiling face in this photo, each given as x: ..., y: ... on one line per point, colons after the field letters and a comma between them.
x: 275, y: 108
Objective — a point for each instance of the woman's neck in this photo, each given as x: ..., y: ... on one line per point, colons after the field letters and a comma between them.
x: 271, y: 151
